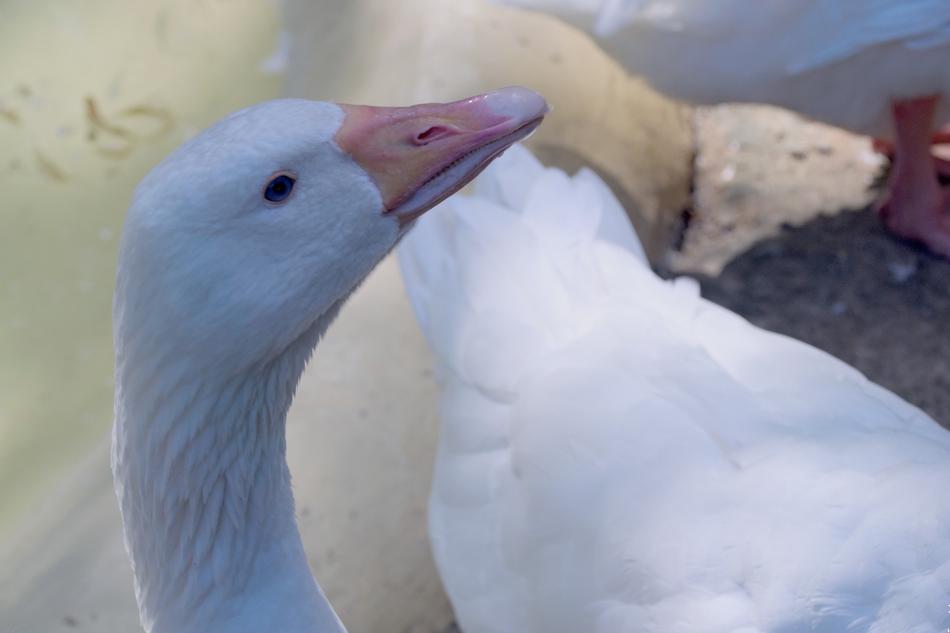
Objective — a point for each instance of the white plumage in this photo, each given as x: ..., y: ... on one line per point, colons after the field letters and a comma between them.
x: 841, y: 62
x: 620, y: 455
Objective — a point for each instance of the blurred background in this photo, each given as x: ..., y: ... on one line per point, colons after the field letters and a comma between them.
x: 770, y: 211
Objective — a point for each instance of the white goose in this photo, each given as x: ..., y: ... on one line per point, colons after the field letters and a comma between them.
x: 877, y: 67
x: 237, y: 253
x: 620, y: 455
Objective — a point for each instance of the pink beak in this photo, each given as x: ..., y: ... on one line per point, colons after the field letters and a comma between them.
x: 420, y: 155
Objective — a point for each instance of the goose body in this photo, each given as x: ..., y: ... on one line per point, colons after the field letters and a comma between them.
x: 237, y: 253
x: 618, y: 454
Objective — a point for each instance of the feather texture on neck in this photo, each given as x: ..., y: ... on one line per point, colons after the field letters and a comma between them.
x: 205, y: 493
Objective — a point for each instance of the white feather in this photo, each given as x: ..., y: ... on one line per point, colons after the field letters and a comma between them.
x: 619, y: 454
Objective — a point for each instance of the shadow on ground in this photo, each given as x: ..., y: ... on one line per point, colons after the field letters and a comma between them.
x: 841, y: 283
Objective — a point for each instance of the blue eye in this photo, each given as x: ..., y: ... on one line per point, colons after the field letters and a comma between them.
x: 279, y: 188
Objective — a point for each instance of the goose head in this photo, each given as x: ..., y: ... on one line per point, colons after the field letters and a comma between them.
x: 244, y: 236
x: 237, y: 251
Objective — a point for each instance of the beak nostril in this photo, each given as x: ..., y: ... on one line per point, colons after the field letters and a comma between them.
x: 430, y: 134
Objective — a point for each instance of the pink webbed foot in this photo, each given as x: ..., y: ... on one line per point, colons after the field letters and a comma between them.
x: 916, y: 207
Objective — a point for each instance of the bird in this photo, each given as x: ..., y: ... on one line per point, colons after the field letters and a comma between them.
x: 618, y: 454
x: 875, y: 67
x: 238, y: 251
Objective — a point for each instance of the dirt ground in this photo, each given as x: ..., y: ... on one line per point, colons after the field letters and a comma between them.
x: 783, y: 232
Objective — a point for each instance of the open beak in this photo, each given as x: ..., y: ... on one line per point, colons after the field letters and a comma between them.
x: 420, y: 155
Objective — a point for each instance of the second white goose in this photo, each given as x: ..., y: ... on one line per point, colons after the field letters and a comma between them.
x: 618, y: 454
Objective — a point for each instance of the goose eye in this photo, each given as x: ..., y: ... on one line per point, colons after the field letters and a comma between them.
x: 279, y: 188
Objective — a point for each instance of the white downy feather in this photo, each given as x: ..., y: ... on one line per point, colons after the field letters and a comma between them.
x: 619, y: 454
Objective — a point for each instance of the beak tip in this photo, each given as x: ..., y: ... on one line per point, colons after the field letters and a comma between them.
x: 517, y: 102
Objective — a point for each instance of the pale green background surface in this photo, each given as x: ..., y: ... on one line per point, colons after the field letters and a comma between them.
x: 156, y: 72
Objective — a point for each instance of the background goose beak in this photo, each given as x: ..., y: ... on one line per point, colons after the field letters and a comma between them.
x: 420, y: 155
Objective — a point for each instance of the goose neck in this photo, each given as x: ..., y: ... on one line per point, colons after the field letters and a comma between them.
x: 204, y: 489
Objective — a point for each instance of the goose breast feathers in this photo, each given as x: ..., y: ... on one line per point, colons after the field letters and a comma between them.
x: 619, y: 454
